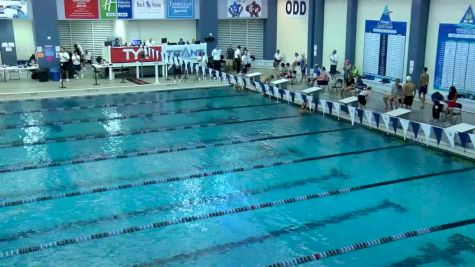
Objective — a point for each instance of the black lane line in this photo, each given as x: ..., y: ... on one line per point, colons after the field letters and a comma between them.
x: 204, y: 216
x: 188, y: 203
x: 152, y: 151
x: 118, y: 105
x: 134, y: 116
x: 96, y: 190
x: 139, y: 132
x: 155, y: 92
x: 372, y: 243
x: 293, y: 229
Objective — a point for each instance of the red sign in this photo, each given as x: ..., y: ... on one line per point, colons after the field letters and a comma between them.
x: 136, y: 54
x: 81, y: 9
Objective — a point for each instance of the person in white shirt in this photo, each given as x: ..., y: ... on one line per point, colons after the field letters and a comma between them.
x: 64, y: 61
x: 149, y: 42
x: 333, y: 62
x: 296, y: 61
x: 76, y: 58
x: 245, y: 63
x: 237, y: 59
x: 87, y: 57
x: 277, y: 59
x: 216, y: 54
x: 202, y: 63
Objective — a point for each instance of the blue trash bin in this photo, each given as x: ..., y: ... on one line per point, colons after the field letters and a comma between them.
x: 55, y: 74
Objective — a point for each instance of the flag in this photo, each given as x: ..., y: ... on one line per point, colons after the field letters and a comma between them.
x: 352, y: 111
x: 450, y: 136
x: 405, y: 126
x: 415, y: 128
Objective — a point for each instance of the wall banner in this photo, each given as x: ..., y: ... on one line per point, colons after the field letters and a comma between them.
x: 187, y: 52
x: 180, y: 9
x: 296, y: 8
x: 136, y: 54
x: 13, y: 9
x: 81, y: 9
x: 149, y: 9
x: 244, y: 8
x: 384, y: 47
x: 116, y: 9
x: 455, y: 61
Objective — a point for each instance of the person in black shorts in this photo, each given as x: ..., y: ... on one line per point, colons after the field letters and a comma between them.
x: 64, y: 59
x: 423, y: 85
x: 409, y: 91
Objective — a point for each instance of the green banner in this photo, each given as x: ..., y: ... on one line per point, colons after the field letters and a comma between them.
x: 108, y: 9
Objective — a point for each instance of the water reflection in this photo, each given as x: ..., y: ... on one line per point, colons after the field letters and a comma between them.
x: 113, y: 145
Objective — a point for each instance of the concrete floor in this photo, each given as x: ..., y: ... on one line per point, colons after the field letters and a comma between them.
x: 28, y: 88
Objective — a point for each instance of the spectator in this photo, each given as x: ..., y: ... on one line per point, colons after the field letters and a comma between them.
x: 323, y: 75
x: 303, y: 66
x: 277, y: 59
x: 333, y: 63
x: 77, y: 65
x: 316, y: 72
x: 437, y: 99
x: 363, y: 97
x: 64, y: 60
x: 284, y: 69
x: 354, y: 71
x: 390, y: 99
x: 237, y: 59
x: 87, y: 57
x: 202, y: 63
x: 349, y: 86
x: 216, y: 54
x: 296, y: 61
x: 32, y: 60
x: 409, y: 90
x: 149, y: 42
x: 229, y: 58
x: 423, y: 86
x: 78, y: 49
x: 181, y: 42
x: 176, y: 68
x: 347, y: 69
x: 245, y: 62
x: 451, y: 102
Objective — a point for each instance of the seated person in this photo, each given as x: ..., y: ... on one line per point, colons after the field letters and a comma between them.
x: 323, y: 77
x: 290, y: 75
x: 284, y: 69
x: 390, y: 99
x: 350, y: 86
x: 359, y: 83
x: 451, y: 102
x: 316, y: 72
x: 363, y: 97
x: 437, y: 107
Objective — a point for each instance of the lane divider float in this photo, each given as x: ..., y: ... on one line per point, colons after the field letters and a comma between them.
x: 133, y: 116
x: 96, y: 190
x: 204, y: 216
x: 152, y: 151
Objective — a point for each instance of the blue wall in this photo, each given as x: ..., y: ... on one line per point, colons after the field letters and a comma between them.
x: 270, y: 30
x: 417, y: 37
x: 352, y: 11
x: 46, y: 28
x: 7, y: 35
x: 208, y: 22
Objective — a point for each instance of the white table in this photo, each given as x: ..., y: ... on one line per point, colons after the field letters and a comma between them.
x: 398, y: 112
x: 281, y: 84
x: 16, y: 68
x: 349, y: 100
x: 461, y: 128
x: 312, y: 90
x: 255, y: 76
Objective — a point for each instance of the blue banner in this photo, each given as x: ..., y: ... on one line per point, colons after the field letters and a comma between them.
x: 181, y: 9
x: 455, y: 62
x: 124, y: 9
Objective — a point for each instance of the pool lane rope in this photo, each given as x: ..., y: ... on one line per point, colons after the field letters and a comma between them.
x: 133, y: 116
x: 153, y: 151
x: 48, y: 99
x: 372, y: 243
x: 188, y: 219
x: 118, y: 105
x: 96, y: 190
x: 139, y: 132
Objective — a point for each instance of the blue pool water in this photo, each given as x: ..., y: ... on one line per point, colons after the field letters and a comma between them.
x: 72, y: 168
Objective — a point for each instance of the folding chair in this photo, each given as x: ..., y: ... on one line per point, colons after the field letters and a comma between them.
x: 457, y: 113
x: 336, y: 87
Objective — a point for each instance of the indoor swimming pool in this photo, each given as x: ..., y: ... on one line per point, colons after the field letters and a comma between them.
x: 215, y: 177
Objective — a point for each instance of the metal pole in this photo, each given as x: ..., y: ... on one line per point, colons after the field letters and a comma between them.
x: 62, y: 80
x: 122, y: 70
x: 95, y: 75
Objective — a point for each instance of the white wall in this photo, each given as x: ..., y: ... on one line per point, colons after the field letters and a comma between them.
x: 441, y: 11
x: 24, y: 38
x: 158, y: 29
x: 334, y: 31
x: 372, y: 10
x: 292, y: 32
